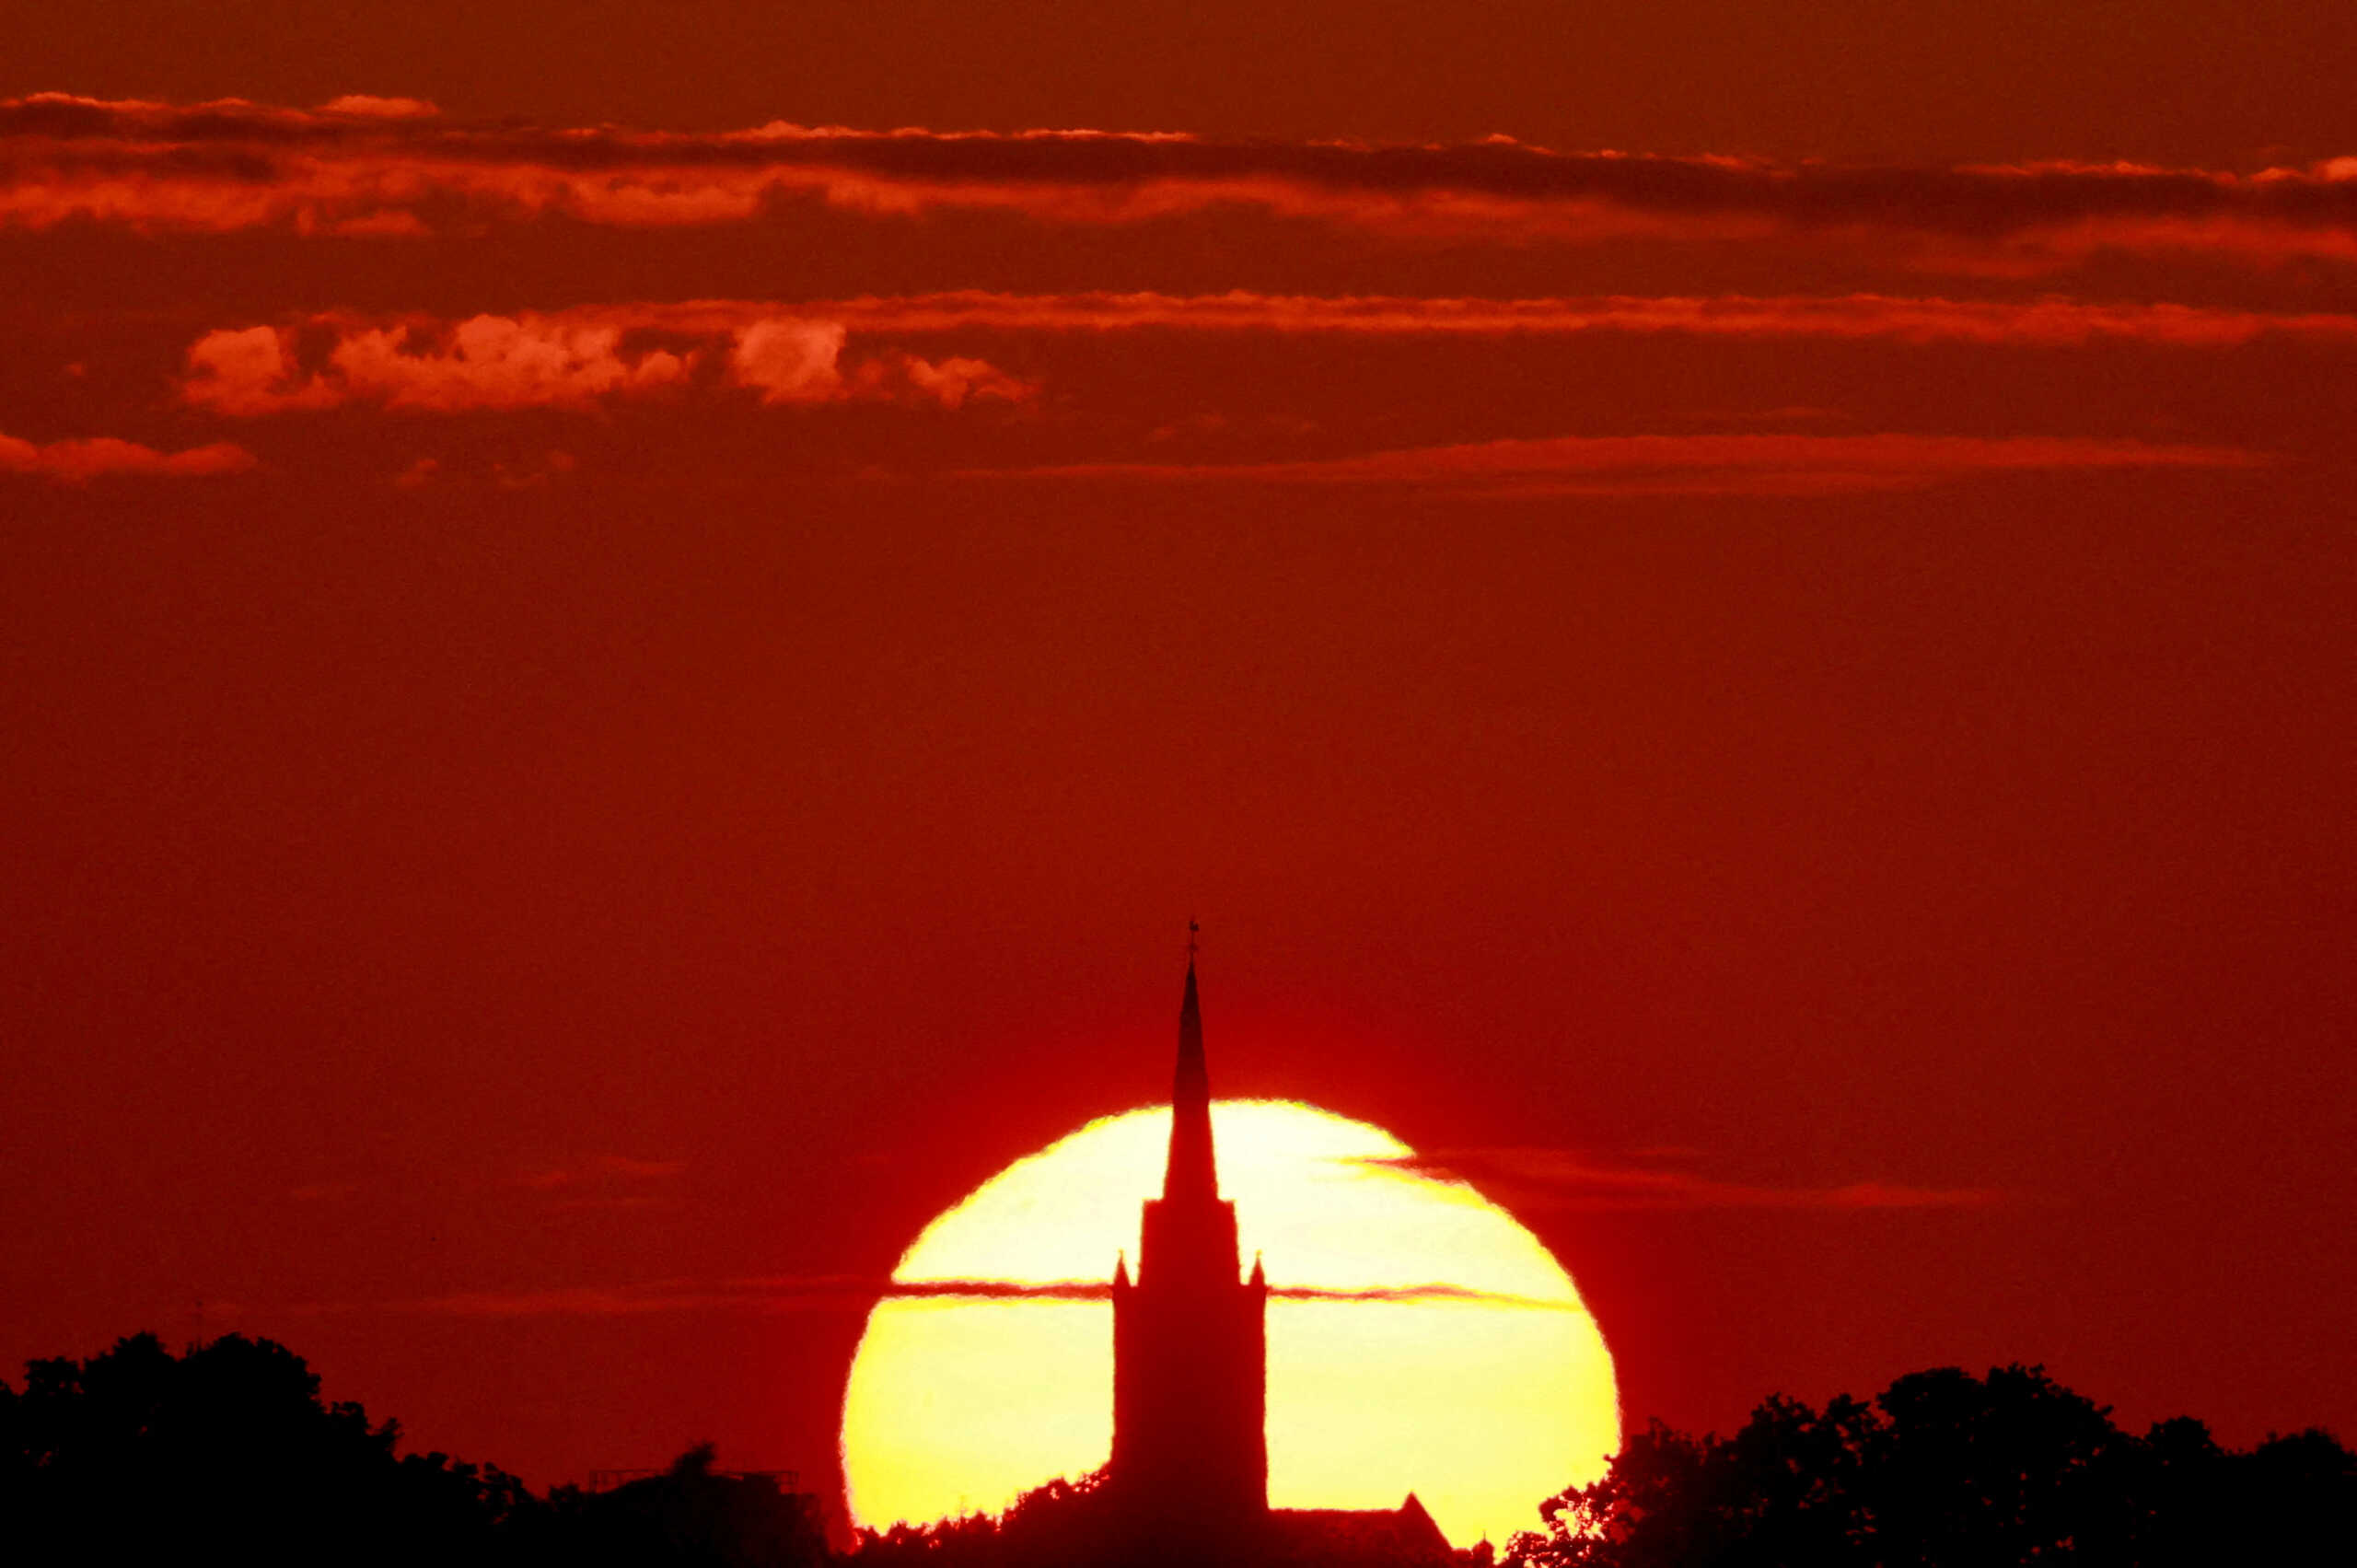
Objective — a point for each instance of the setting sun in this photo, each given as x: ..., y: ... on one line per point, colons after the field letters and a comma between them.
x: 1454, y: 1358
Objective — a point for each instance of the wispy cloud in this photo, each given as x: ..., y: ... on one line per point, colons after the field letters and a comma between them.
x: 78, y: 461
x: 1541, y: 1179
x: 607, y: 1183
x: 583, y: 1301
x: 794, y: 354
x: 1779, y: 464
x: 851, y: 1293
x: 347, y: 167
x: 568, y: 360
x: 369, y: 106
x: 2048, y: 322
x: 805, y: 336
x: 1424, y: 1293
x: 646, y: 1171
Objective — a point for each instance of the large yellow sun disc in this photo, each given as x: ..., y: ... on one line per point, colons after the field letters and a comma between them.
x: 1455, y: 1360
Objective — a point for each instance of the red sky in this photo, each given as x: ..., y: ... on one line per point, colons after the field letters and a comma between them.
x: 609, y: 698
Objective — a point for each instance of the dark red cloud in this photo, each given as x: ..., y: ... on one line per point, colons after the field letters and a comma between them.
x: 1538, y: 1180
x: 74, y: 461
x: 1684, y: 465
x: 398, y: 168
x: 849, y: 1293
x: 2042, y: 323
x: 794, y: 354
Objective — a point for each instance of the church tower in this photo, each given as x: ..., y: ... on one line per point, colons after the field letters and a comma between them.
x: 1190, y: 1339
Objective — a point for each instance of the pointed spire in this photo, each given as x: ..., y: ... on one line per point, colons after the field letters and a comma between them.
x: 1259, y: 1279
x: 1121, y: 1271
x: 1192, y: 1171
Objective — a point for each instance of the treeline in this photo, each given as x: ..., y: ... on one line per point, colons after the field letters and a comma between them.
x: 227, y: 1453
x: 1946, y: 1469
x: 137, y: 1456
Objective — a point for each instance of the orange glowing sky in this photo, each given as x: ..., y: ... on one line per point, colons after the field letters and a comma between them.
x: 626, y: 630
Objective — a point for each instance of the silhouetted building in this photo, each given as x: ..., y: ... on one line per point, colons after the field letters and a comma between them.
x: 1356, y: 1537
x: 1190, y: 1449
x: 1189, y: 1342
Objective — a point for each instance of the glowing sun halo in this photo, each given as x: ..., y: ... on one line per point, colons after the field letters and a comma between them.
x: 1482, y: 1404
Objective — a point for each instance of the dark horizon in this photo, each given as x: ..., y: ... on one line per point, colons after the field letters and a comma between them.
x: 136, y: 1452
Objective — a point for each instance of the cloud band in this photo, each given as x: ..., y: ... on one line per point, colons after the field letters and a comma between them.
x: 394, y: 167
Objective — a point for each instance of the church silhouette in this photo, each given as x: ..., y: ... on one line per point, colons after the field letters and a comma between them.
x: 1190, y: 1465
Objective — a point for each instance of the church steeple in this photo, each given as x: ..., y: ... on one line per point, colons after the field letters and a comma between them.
x: 1191, y: 1449
x: 1193, y: 1174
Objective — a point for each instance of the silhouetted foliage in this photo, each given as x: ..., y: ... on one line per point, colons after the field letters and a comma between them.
x: 227, y: 1451
x: 1947, y: 1470
x: 136, y: 1455
x: 1063, y: 1522
x: 689, y: 1516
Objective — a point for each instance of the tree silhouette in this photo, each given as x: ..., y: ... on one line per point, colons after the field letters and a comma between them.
x: 1061, y: 1522
x: 689, y: 1516
x: 1943, y: 1469
x: 137, y: 1454
x: 227, y: 1451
